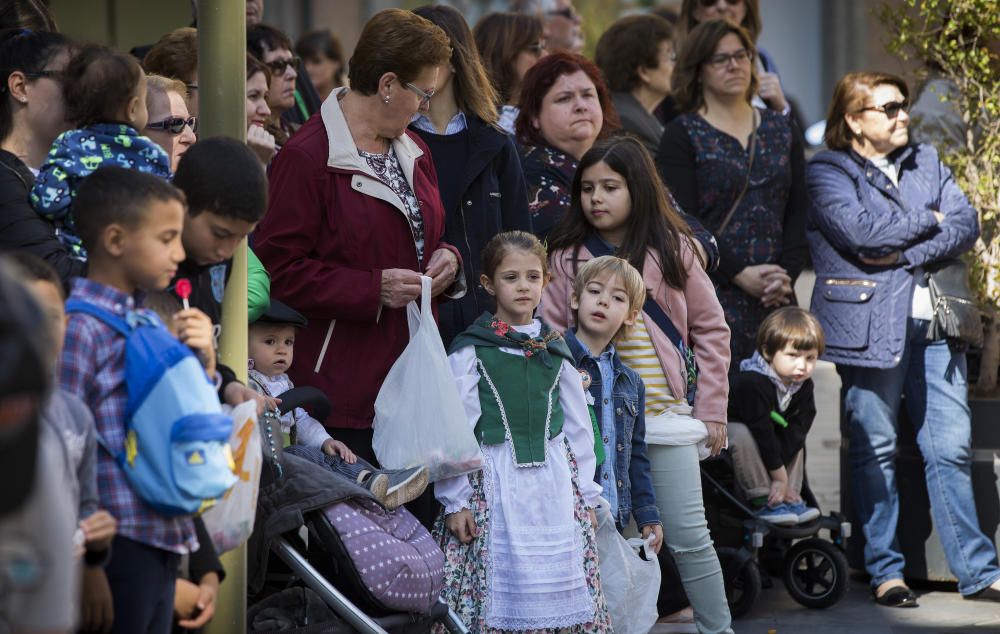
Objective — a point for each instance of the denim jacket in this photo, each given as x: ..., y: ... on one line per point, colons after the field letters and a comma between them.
x: 632, y: 471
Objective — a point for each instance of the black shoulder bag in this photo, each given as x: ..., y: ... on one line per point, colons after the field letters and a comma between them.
x: 956, y: 314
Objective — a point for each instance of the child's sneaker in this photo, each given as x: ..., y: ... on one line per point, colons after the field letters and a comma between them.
x: 405, y: 485
x: 376, y: 482
x: 781, y: 515
x: 803, y: 512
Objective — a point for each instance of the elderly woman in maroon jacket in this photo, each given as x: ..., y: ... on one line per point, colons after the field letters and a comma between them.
x: 355, y: 218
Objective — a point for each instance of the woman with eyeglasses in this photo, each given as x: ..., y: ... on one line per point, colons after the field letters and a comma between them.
x: 274, y: 49
x: 479, y: 173
x: 509, y: 45
x: 740, y: 171
x: 745, y: 13
x: 883, y: 211
x: 170, y: 125
x: 355, y: 219
x: 32, y: 115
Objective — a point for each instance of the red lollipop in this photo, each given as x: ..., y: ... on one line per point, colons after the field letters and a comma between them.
x: 183, y: 290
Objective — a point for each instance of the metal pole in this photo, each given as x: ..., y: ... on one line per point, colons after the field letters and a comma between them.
x: 222, y: 111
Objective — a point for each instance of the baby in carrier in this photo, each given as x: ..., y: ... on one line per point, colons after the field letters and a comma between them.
x: 271, y: 347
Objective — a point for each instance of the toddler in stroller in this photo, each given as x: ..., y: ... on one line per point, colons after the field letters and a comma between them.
x: 388, y: 570
x: 771, y: 409
x: 271, y: 351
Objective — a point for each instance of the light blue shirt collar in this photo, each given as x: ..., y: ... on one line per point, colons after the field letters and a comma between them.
x: 456, y: 125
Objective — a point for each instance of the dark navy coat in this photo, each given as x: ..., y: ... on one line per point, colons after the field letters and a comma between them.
x: 856, y: 211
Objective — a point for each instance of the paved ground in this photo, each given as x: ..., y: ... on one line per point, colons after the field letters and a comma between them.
x: 941, y: 609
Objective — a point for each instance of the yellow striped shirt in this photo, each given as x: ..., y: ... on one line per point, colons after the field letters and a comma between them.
x: 637, y: 353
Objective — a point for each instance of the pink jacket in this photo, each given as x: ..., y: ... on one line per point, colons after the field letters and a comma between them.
x: 695, y: 311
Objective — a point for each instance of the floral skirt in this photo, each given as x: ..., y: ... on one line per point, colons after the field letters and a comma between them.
x: 467, y: 576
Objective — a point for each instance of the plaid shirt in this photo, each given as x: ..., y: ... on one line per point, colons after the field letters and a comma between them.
x: 93, y: 368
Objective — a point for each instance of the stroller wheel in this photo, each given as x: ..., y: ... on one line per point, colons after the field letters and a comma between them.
x: 742, y: 578
x: 816, y: 573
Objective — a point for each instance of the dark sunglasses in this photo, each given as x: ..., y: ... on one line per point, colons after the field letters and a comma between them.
x: 891, y: 109
x: 175, y: 125
x: 708, y: 3
x: 278, y: 66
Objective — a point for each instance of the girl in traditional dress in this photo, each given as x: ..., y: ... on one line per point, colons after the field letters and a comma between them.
x: 519, y: 535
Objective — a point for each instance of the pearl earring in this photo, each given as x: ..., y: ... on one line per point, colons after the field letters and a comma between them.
x: 386, y: 99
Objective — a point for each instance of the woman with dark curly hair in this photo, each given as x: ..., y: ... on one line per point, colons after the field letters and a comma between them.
x: 565, y: 107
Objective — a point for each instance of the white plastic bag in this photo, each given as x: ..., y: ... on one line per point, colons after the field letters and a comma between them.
x: 675, y: 427
x: 631, y: 584
x: 230, y: 521
x: 419, y: 417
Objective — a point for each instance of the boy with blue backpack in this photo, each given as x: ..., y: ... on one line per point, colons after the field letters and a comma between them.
x: 162, y: 437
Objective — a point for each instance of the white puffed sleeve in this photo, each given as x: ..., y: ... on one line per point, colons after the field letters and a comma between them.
x: 310, y: 432
x: 454, y: 493
x: 579, y: 430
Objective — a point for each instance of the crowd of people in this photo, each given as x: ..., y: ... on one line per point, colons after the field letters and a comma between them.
x: 612, y: 247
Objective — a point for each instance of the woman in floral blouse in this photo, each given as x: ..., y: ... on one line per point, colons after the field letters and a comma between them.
x: 740, y: 171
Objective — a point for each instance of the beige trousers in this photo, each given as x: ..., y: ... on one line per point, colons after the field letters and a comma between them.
x: 751, y: 474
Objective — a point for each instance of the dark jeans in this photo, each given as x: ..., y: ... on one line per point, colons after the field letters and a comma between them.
x: 142, y: 580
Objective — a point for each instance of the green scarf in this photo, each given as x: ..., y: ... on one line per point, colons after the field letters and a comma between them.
x: 488, y: 330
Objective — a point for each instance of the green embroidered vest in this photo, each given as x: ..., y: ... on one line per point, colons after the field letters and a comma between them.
x: 519, y: 399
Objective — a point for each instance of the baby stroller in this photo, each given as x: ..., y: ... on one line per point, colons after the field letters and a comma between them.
x: 291, y: 507
x: 813, y: 569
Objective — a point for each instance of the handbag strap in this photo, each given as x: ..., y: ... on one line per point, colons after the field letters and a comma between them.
x: 598, y: 248
x: 746, y: 181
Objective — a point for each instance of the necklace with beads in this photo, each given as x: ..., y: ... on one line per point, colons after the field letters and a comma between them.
x: 270, y: 416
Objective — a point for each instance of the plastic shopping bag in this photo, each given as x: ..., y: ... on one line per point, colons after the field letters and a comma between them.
x: 230, y: 521
x: 419, y: 417
x: 630, y: 582
x: 675, y: 427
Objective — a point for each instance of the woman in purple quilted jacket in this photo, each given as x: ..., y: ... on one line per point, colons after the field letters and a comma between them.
x: 883, y: 210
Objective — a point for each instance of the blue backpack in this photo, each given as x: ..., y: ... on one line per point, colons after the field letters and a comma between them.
x: 176, y: 455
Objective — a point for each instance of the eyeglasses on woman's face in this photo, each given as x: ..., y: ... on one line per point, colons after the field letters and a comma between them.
x: 890, y: 109
x: 537, y: 48
x: 425, y: 97
x: 279, y: 66
x: 722, y: 60
x: 708, y: 3
x: 175, y: 125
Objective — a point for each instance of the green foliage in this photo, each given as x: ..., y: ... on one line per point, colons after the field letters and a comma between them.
x: 960, y: 39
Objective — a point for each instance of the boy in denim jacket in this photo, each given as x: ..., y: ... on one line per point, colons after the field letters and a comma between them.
x: 608, y: 294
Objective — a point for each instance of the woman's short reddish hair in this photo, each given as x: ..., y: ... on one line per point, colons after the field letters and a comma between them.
x: 540, y: 79
x: 396, y: 41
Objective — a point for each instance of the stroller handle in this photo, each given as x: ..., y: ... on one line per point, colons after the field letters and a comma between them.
x: 308, y: 398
